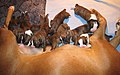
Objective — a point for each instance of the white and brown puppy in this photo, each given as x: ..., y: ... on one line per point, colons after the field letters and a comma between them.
x: 84, y: 41
x: 87, y: 15
x: 93, y: 22
x: 26, y: 38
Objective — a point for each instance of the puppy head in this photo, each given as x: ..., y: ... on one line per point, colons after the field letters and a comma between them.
x: 94, y: 25
x: 82, y: 41
x: 36, y: 43
x: 76, y: 9
x: 66, y: 15
x: 26, y: 37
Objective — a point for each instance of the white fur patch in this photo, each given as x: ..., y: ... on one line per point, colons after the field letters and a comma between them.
x: 118, y: 27
x: 93, y: 16
x: 32, y: 44
x: 85, y: 35
x: 81, y: 42
x: 94, y: 27
x: 29, y: 32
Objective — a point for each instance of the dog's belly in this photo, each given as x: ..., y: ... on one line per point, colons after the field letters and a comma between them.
x: 29, y: 50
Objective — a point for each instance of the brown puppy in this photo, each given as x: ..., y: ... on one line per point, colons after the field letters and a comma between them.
x: 58, y: 19
x: 77, y: 32
x: 34, y: 28
x: 83, y: 12
x: 13, y: 24
x: 25, y: 21
x: 39, y: 39
x: 44, y: 24
x: 58, y: 37
x: 19, y: 33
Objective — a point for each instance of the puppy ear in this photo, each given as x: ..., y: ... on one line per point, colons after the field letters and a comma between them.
x: 41, y: 20
x: 47, y: 15
x: 64, y: 10
x: 76, y: 5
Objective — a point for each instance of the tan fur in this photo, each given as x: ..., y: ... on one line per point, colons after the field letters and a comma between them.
x: 101, y: 59
x: 9, y: 15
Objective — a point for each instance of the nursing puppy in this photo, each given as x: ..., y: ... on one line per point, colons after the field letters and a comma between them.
x: 87, y: 15
x: 13, y: 23
x: 39, y: 39
x: 58, y: 37
x: 75, y: 33
x: 84, y: 41
x: 26, y: 37
x: 58, y: 19
x: 19, y: 33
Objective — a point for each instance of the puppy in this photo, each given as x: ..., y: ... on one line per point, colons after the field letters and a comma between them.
x: 58, y: 19
x: 54, y: 40
x: 13, y: 24
x: 44, y: 23
x: 25, y: 21
x: 39, y: 39
x: 57, y: 38
x: 63, y: 29
x: 84, y: 41
x: 19, y: 33
x: 75, y: 33
x: 83, y: 12
x: 26, y: 37
x: 88, y: 16
x: 93, y: 22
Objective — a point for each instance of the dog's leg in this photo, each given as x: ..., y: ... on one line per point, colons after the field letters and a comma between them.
x: 116, y: 40
x: 100, y: 32
x: 9, y: 15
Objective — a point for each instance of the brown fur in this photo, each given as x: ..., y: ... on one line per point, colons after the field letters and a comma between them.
x: 25, y: 21
x: 44, y: 23
x: 77, y: 32
x: 39, y: 38
x: 34, y: 28
x: 61, y: 32
x: 83, y: 12
x: 58, y: 20
x: 101, y: 59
